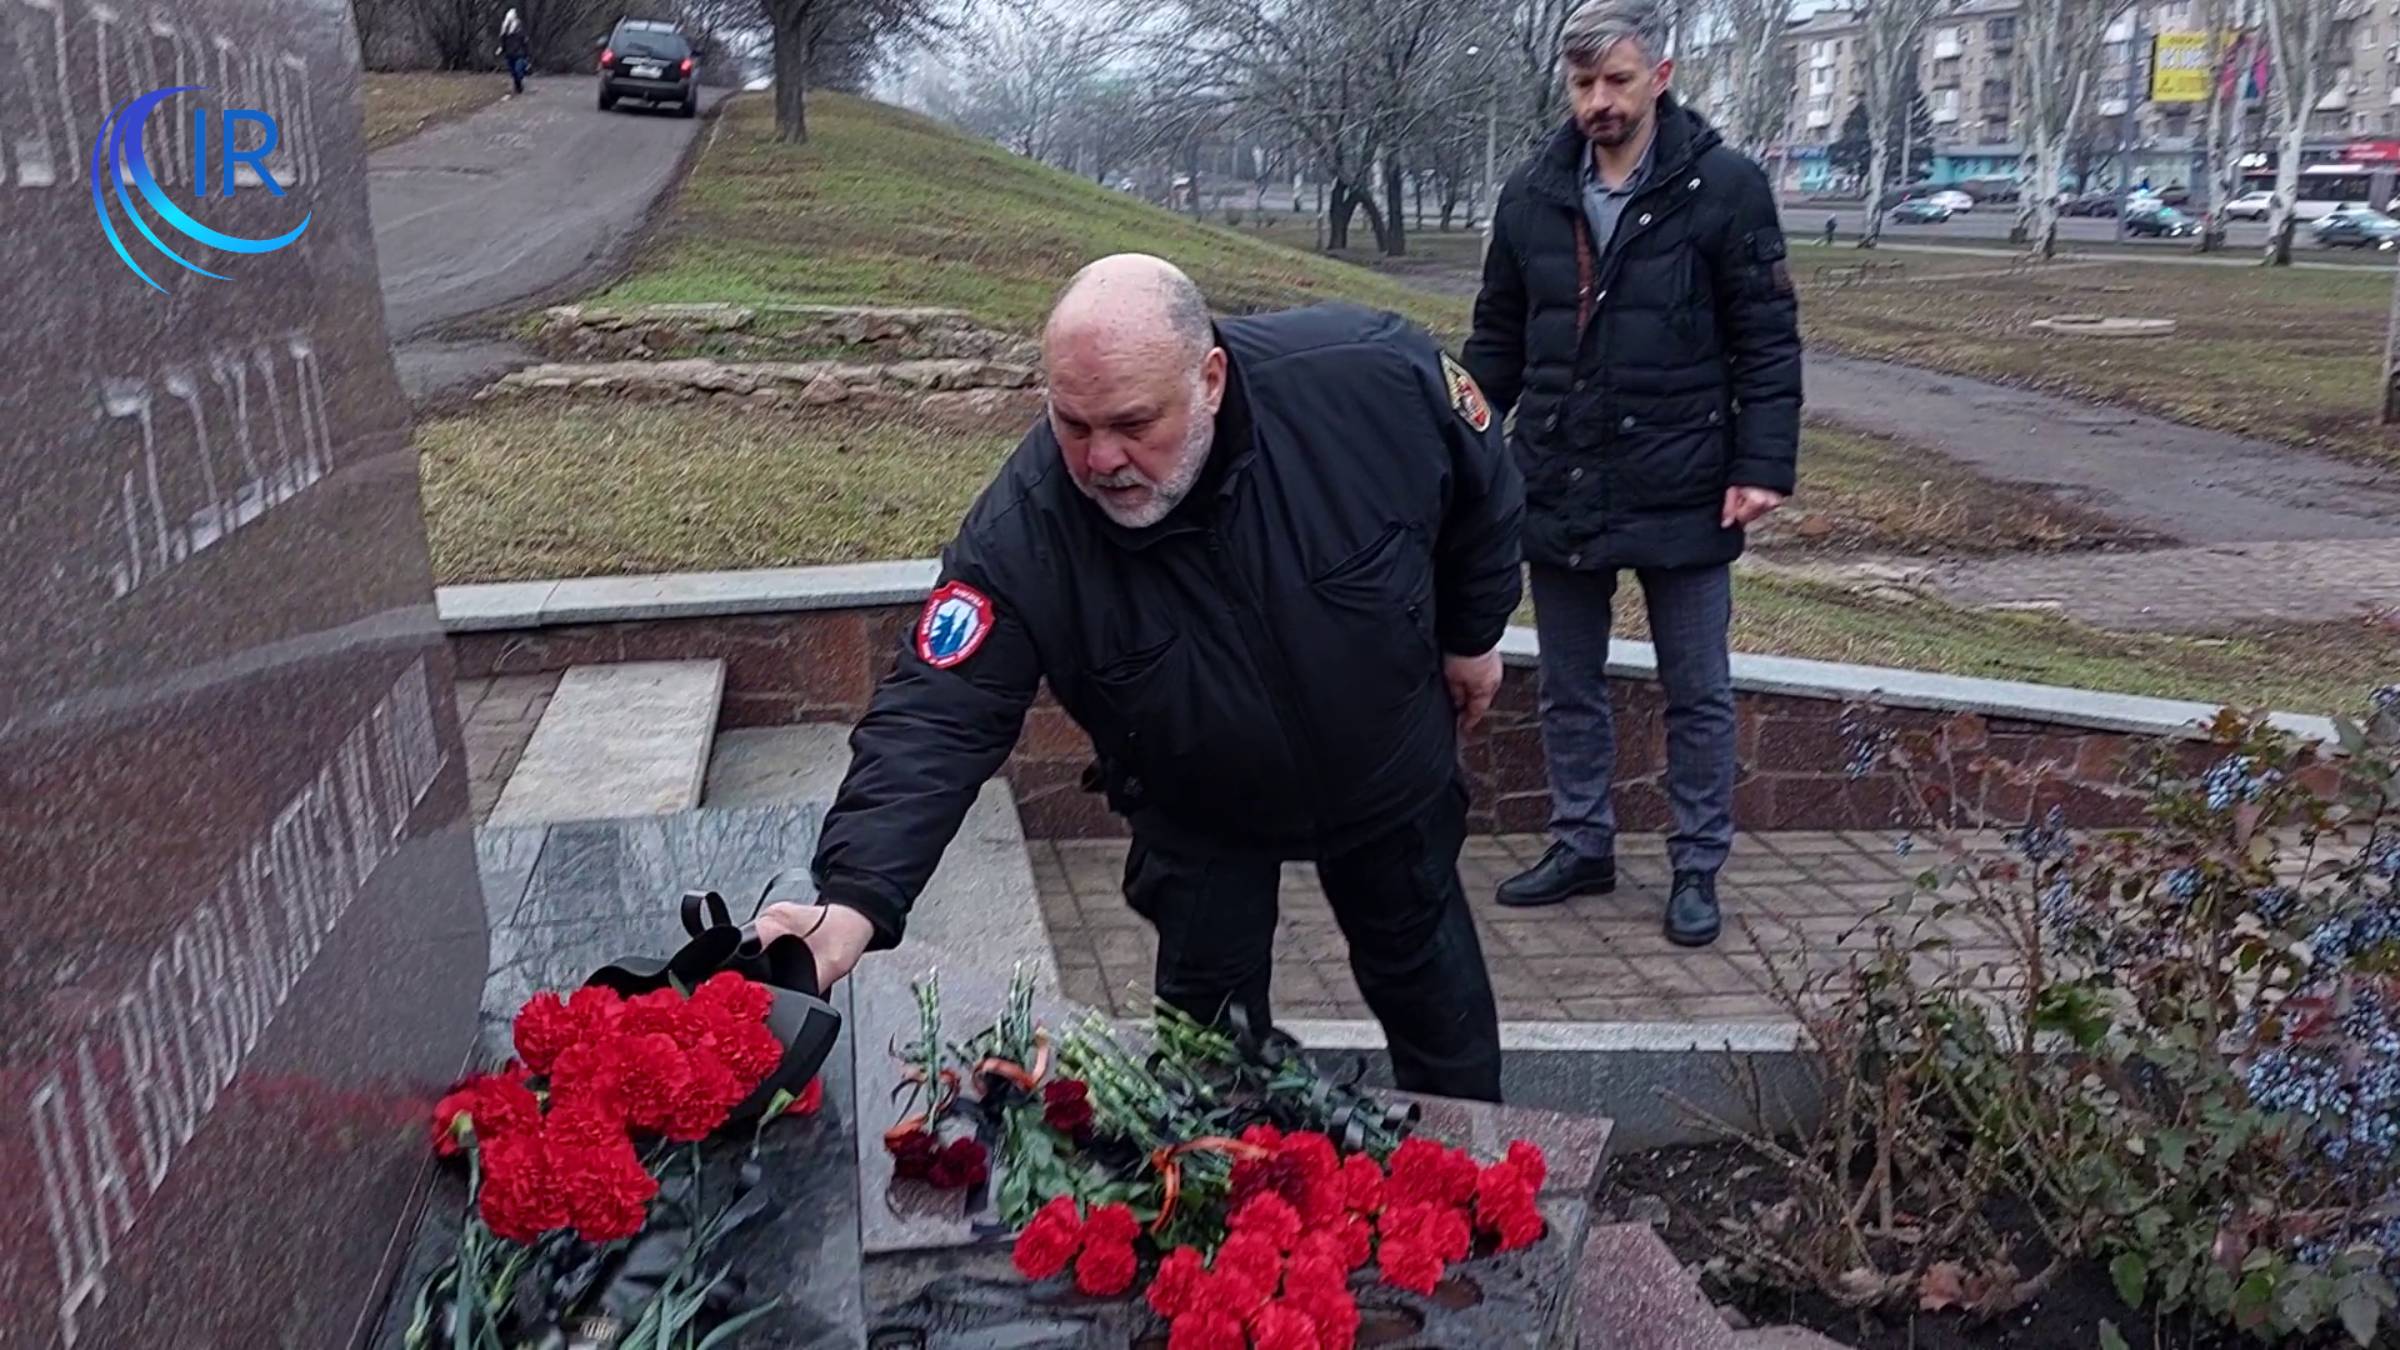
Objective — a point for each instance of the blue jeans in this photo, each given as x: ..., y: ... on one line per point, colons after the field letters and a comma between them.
x: 518, y: 68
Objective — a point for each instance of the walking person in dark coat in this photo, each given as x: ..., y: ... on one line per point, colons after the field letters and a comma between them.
x: 1637, y: 313
x: 515, y: 49
x: 1265, y: 563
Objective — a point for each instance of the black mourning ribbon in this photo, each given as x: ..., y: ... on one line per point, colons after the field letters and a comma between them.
x: 800, y: 1017
x: 1352, y: 1116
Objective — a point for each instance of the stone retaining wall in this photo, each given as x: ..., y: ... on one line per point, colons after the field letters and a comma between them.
x: 878, y: 333
x: 964, y: 390
x: 822, y: 664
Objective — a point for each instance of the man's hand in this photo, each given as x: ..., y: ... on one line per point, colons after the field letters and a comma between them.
x: 1473, y: 681
x: 1746, y: 504
x: 837, y: 935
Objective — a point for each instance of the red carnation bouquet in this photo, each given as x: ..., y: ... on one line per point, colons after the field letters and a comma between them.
x: 1208, y: 1159
x: 567, y: 1146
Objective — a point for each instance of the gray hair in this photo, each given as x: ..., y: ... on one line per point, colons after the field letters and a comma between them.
x: 1598, y: 25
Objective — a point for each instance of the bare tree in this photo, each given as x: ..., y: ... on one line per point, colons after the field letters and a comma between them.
x: 1892, y: 32
x: 1742, y: 71
x: 2299, y: 39
x: 813, y: 37
x: 2059, y: 59
x: 1027, y: 74
x: 2228, y: 109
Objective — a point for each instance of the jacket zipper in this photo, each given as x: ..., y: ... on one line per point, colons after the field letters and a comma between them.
x: 1262, y: 646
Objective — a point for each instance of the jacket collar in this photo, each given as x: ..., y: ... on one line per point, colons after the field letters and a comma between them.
x: 1557, y: 172
x: 1230, y: 452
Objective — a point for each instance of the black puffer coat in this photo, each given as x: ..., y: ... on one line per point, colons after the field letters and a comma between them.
x: 1647, y: 382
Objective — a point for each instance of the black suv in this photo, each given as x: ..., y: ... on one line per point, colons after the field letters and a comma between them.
x: 649, y: 60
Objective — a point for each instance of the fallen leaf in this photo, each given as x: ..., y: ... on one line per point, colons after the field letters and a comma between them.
x: 1861, y: 1285
x: 1943, y: 1285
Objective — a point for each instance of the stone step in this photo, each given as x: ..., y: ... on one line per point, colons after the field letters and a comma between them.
x: 617, y: 741
x: 980, y: 903
x: 1784, y: 1338
x: 1632, y: 1294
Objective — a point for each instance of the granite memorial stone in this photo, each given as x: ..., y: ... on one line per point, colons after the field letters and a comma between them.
x: 243, y: 938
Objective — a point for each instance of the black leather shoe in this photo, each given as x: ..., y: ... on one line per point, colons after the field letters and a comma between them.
x: 1560, y: 875
x: 1692, y: 917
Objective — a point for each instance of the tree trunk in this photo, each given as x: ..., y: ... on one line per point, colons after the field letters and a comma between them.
x: 2284, y: 221
x: 1394, y: 234
x: 791, y: 89
x: 1337, y: 216
x: 1877, y: 168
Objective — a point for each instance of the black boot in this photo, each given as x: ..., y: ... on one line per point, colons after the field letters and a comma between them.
x: 1692, y: 917
x: 1562, y: 873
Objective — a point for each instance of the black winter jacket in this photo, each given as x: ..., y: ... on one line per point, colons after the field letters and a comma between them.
x: 1646, y: 383
x: 1262, y: 669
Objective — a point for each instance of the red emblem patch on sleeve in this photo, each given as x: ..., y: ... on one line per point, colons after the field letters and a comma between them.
x: 1465, y: 395
x: 956, y: 620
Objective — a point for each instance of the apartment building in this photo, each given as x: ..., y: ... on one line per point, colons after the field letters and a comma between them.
x: 1967, y: 72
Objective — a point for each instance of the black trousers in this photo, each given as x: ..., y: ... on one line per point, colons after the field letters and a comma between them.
x: 1398, y: 901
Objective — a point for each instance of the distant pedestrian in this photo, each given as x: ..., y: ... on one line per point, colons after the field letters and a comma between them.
x: 1832, y: 224
x: 514, y: 47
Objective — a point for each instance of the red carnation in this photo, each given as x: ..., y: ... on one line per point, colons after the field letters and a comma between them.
x: 1409, y: 1265
x: 1519, y: 1227
x: 1317, y: 1270
x: 1280, y: 1326
x: 1111, y: 1223
x: 1207, y: 1329
x: 606, y: 1189
x: 518, y: 1199
x: 1335, y: 1311
x: 963, y: 1163
x: 590, y: 1069
x: 1358, y: 1243
x: 751, y: 1051
x: 482, y: 1109
x: 1270, y: 1216
x: 1321, y: 1249
x: 1181, y: 1284
x: 735, y: 996
x: 1067, y: 1106
x: 1427, y: 1172
x: 810, y: 1100
x: 1500, y: 1185
x: 1362, y: 1184
x: 1316, y: 1155
x: 657, y: 1076
x: 1263, y: 1135
x: 597, y: 1008
x: 582, y: 1122
x: 1049, y: 1241
x: 543, y: 1028
x: 1104, y: 1269
x: 1529, y: 1160
x: 913, y: 1153
x: 704, y: 1100
x: 1246, y: 1272
x: 1450, y: 1235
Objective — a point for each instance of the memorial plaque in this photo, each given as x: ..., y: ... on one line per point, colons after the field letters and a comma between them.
x: 243, y: 938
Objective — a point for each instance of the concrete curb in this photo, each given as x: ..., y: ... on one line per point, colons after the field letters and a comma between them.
x: 1638, y: 1074
x: 590, y: 600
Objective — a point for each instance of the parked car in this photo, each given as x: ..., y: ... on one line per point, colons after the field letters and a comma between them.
x: 1992, y: 190
x: 1919, y: 211
x: 2174, y: 194
x: 2357, y: 227
x: 2098, y: 202
x: 1958, y: 202
x: 651, y: 61
x: 2153, y: 219
x: 2250, y: 206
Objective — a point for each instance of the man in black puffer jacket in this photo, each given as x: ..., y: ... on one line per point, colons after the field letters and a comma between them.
x: 1265, y: 563
x: 1637, y: 314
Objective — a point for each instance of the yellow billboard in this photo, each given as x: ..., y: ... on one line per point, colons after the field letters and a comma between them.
x: 2179, y: 68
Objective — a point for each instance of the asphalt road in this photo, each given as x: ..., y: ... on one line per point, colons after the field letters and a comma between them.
x: 1989, y: 226
x: 520, y: 198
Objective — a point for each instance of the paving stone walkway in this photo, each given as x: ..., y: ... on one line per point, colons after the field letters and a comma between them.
x: 497, y: 717
x: 1597, y: 959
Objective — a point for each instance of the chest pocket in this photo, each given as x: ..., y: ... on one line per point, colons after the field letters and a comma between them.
x: 1141, y: 711
x: 1377, y: 604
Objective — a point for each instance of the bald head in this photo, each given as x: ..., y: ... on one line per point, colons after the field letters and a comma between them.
x: 1136, y: 379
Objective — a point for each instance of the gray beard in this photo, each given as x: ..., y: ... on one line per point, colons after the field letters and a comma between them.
x: 1168, y: 494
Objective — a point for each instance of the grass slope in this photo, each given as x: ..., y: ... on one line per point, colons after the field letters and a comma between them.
x: 398, y: 105
x: 885, y: 206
